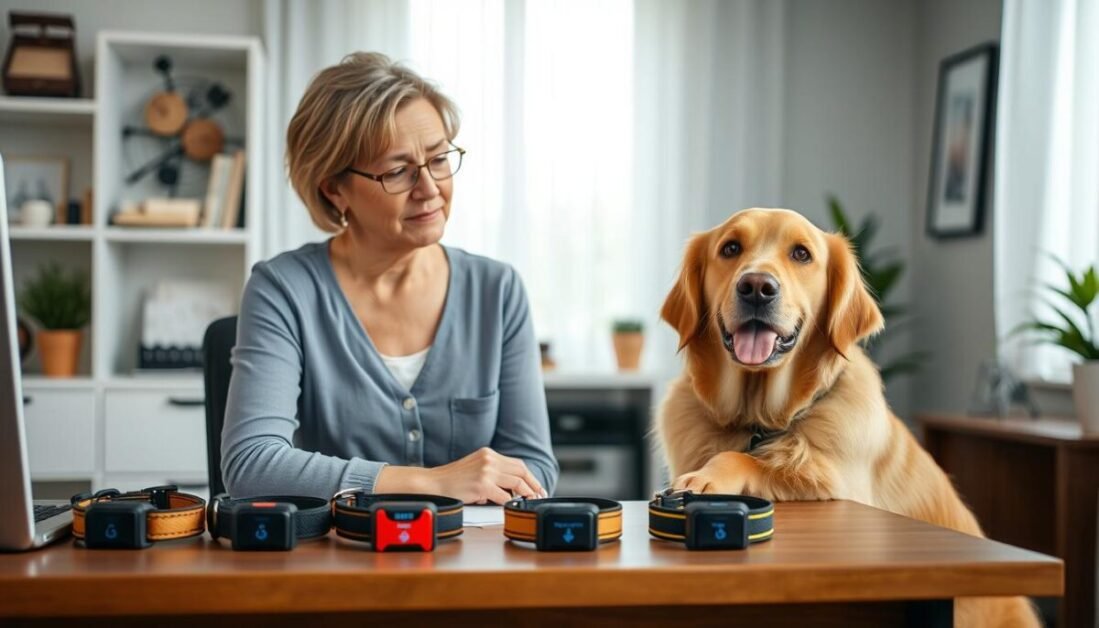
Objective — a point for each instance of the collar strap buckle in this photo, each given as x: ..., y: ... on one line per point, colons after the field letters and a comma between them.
x: 160, y: 496
x: 672, y: 497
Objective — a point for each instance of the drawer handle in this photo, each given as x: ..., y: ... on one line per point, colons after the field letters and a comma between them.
x: 187, y: 402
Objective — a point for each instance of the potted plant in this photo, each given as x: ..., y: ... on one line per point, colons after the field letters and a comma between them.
x: 60, y: 303
x: 882, y: 271
x: 1076, y: 333
x: 629, y: 339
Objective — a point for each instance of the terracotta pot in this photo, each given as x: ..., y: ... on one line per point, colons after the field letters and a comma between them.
x: 1085, y: 393
x: 59, y: 350
x: 627, y: 349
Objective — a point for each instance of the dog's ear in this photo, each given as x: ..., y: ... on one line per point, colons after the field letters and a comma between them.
x: 853, y: 313
x: 685, y: 305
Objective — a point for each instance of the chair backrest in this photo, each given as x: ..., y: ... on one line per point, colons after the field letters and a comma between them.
x: 217, y: 346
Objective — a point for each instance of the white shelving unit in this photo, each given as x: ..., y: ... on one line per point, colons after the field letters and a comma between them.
x: 108, y: 426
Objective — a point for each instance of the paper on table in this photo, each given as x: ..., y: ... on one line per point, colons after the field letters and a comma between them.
x: 479, y: 516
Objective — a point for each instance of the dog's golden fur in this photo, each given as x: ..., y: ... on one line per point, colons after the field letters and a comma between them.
x: 837, y: 437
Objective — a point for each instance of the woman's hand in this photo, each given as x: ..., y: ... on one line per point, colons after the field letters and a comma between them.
x: 484, y: 476
x: 481, y: 477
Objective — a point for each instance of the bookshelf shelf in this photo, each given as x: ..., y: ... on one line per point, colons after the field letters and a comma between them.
x: 193, y: 235
x: 63, y: 111
x: 79, y: 233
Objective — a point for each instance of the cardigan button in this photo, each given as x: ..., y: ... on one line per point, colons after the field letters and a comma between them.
x: 409, y: 403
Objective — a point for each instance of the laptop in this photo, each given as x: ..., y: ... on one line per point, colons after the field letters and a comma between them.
x: 24, y: 524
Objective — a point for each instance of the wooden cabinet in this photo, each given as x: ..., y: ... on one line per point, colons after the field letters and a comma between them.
x: 1031, y: 483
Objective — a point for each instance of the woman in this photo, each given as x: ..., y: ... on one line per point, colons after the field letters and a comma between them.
x: 381, y: 359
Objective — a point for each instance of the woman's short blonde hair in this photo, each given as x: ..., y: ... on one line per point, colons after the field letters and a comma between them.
x: 349, y: 113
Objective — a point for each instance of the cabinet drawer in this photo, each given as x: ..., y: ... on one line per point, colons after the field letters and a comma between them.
x: 161, y: 431
x: 60, y: 432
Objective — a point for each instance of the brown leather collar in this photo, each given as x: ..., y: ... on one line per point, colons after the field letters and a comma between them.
x: 177, y: 515
x: 521, y: 517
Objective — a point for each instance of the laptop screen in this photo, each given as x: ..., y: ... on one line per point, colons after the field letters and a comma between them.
x: 16, y: 524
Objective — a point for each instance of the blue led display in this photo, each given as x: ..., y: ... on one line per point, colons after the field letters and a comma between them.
x: 568, y: 530
x: 716, y: 525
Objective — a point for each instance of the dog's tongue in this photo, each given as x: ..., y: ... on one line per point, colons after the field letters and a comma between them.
x: 754, y: 343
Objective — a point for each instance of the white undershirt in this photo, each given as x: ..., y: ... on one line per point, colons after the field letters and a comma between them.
x: 406, y: 368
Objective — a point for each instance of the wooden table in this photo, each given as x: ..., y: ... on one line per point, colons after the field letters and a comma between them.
x: 830, y: 563
x: 1031, y: 483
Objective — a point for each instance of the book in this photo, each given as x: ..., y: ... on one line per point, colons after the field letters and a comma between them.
x: 233, y: 193
x: 220, y: 169
x: 158, y: 219
x: 159, y: 205
x: 86, y: 207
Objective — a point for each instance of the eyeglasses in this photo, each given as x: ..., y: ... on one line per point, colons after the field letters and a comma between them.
x: 403, y: 178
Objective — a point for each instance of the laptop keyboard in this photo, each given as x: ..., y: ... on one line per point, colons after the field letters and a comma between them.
x: 41, y: 513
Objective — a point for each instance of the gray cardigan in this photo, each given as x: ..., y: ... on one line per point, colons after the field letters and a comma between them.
x: 312, y: 408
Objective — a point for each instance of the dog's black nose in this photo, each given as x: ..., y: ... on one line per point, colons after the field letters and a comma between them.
x: 757, y: 288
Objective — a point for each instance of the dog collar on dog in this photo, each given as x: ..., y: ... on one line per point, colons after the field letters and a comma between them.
x: 706, y: 521
x: 395, y: 522
x: 268, y: 523
x: 761, y: 436
x: 563, y: 523
x: 111, y: 519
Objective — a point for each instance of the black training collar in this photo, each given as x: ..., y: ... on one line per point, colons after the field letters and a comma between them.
x: 313, y: 518
x: 352, y: 519
x: 668, y: 521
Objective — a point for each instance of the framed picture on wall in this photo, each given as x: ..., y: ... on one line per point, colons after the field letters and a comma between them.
x: 964, y: 108
x: 36, y: 179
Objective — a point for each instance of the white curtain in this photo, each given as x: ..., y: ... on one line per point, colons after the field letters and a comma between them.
x: 600, y: 135
x: 1047, y: 168
x: 709, y: 105
x: 302, y: 38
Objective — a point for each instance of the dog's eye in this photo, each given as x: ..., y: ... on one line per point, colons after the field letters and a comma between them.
x: 801, y: 254
x: 730, y: 249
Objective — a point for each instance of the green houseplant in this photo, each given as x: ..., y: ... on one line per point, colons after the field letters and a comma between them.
x: 629, y: 340
x: 881, y: 270
x: 1075, y: 332
x: 60, y: 303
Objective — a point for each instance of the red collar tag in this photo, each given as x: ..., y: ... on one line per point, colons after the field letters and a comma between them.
x: 408, y: 527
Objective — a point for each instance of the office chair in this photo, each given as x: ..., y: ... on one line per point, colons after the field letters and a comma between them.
x: 217, y: 346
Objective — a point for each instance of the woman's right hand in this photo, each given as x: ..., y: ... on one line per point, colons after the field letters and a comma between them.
x: 484, y: 476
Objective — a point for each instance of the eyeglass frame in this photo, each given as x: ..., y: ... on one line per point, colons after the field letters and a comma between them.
x: 378, y: 177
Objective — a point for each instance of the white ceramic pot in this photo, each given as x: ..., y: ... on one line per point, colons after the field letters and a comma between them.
x: 36, y: 213
x: 1085, y: 394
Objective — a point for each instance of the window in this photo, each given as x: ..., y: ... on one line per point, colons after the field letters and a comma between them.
x: 548, y: 183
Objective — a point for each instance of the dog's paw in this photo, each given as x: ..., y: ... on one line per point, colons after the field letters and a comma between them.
x: 728, y: 473
x: 703, y: 482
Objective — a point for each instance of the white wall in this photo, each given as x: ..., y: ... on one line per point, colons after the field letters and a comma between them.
x: 848, y: 129
x: 953, y: 279
x: 222, y: 17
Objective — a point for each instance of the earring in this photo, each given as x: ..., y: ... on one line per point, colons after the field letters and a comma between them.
x: 343, y: 219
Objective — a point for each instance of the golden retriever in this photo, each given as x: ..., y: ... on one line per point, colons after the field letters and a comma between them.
x: 769, y: 311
